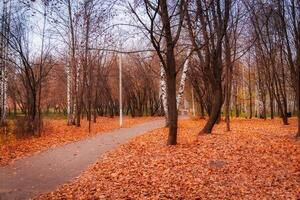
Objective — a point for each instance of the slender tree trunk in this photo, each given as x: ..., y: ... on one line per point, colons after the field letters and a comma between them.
x: 228, y: 77
x: 163, y: 94
x: 264, y: 110
x: 237, y: 113
x: 271, y: 105
x: 298, y: 98
x: 69, y: 114
x: 227, y: 103
x: 298, y: 89
x: 40, y: 75
x: 74, y: 69
x: 202, y: 114
x: 182, y: 81
x: 250, y: 93
x: 4, y: 48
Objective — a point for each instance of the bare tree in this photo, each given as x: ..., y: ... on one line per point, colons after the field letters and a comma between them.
x: 270, y: 47
x: 290, y: 25
x: 207, y: 39
x: 164, y: 28
x: 31, y: 73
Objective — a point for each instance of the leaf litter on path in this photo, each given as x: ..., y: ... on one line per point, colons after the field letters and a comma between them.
x: 56, y: 132
x: 258, y: 159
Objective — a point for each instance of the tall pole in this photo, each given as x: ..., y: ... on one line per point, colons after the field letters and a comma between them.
x: 193, y: 102
x: 120, y: 90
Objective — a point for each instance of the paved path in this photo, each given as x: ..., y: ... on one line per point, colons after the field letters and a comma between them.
x: 41, y: 173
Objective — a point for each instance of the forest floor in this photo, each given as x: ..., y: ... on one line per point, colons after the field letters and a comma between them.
x: 258, y: 159
x: 56, y: 132
x: 32, y: 175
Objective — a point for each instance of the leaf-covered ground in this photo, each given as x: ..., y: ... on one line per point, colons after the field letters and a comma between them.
x: 257, y: 160
x: 56, y: 132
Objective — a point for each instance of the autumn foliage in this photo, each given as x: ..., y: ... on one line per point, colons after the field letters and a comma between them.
x: 56, y: 132
x: 257, y: 160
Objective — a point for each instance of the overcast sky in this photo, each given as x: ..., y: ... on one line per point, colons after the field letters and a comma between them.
x: 133, y: 37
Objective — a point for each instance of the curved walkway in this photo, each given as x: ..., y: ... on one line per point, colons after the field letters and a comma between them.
x: 30, y: 176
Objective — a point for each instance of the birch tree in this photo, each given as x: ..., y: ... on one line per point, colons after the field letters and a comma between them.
x: 182, y: 81
x: 4, y: 50
x: 163, y: 93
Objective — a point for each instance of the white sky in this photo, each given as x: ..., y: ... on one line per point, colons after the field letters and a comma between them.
x: 134, y: 38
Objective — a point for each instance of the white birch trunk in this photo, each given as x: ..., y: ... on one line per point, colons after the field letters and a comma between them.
x: 193, y: 103
x: 182, y: 82
x: 1, y: 84
x: 4, y: 54
x: 163, y: 88
x: 163, y: 93
x: 68, y: 70
x: 4, y: 94
x: 76, y: 96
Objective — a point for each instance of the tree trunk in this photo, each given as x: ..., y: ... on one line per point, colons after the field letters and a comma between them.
x: 250, y: 94
x: 172, y: 110
x: 298, y: 91
x: 201, y: 109
x: 163, y: 95
x: 216, y: 108
x: 182, y: 81
x: 228, y: 76
x: 272, y: 106
x: 4, y: 52
x: 298, y: 101
x: 227, y: 107
x: 15, y: 107
x: 264, y: 110
x: 237, y: 113
x: 171, y: 95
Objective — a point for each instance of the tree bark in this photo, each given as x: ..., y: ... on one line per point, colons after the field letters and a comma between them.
x: 172, y: 108
x: 216, y: 108
x: 271, y: 106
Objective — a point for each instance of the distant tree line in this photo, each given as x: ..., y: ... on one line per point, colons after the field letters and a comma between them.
x: 238, y: 57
